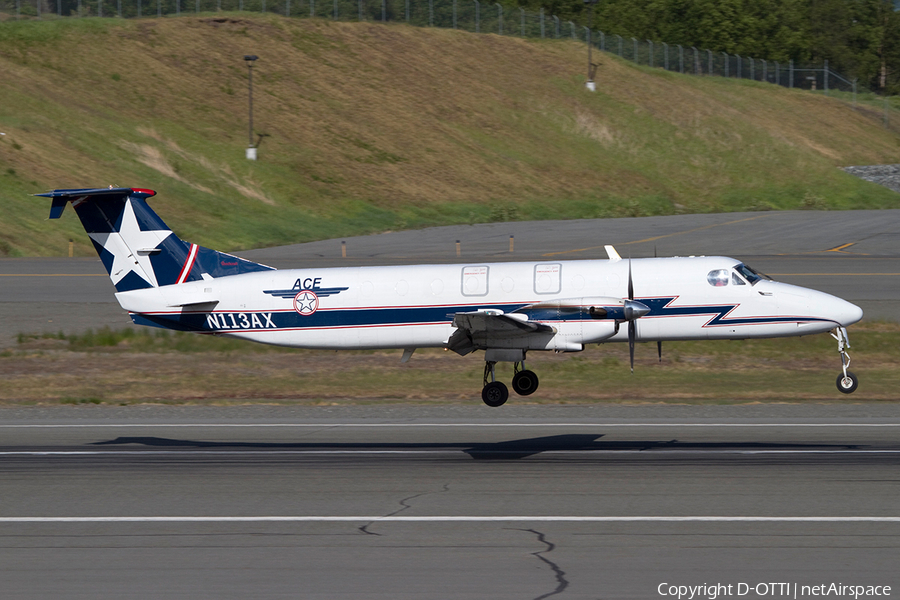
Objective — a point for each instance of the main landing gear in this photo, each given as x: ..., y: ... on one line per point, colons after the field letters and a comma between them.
x: 847, y: 382
x: 495, y: 393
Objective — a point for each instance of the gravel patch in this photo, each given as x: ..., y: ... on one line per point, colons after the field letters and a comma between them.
x: 886, y: 175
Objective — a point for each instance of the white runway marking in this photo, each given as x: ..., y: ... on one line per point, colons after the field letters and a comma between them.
x: 474, y: 449
x: 453, y: 519
x: 327, y: 425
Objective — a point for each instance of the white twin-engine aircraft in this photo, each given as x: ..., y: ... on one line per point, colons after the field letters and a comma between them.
x: 505, y: 309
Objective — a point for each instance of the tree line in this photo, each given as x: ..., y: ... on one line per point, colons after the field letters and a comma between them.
x: 859, y: 38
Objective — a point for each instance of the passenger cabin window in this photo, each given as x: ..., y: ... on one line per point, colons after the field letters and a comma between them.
x: 736, y: 279
x: 718, y: 278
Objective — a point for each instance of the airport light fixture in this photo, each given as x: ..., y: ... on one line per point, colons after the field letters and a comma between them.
x: 251, y: 148
x: 589, y: 84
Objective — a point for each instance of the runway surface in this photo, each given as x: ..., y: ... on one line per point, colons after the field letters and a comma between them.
x: 446, y: 502
x: 854, y: 255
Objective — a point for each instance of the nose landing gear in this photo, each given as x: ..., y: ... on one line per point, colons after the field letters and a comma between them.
x: 847, y: 382
x: 495, y: 393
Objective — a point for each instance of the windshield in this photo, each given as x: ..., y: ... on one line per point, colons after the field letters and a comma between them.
x: 749, y: 274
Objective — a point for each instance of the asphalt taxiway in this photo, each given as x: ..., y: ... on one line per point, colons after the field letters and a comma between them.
x: 852, y: 254
x: 445, y: 502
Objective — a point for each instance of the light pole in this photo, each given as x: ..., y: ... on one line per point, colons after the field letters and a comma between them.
x: 251, y: 149
x: 589, y: 84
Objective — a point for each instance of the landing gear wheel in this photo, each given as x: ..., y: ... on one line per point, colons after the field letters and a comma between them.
x: 495, y: 394
x: 525, y: 383
x: 847, y: 383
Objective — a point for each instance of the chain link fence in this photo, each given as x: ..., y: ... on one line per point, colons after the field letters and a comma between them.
x: 477, y: 16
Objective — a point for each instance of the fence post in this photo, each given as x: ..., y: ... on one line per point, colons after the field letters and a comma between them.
x: 765, y: 70
x: 118, y: 8
x: 826, y: 76
x: 665, y: 56
x: 477, y: 16
x: 407, y: 11
x: 709, y: 71
x: 37, y: 4
x: 99, y: 8
x: 177, y: 7
x: 738, y: 65
x: 726, y: 63
x: 791, y: 77
x: 522, y: 14
x: 777, y: 73
x: 196, y: 7
x: 752, y: 69
x: 620, y: 44
x: 431, y: 13
x: 159, y: 8
x: 696, y: 60
x: 854, y: 92
x: 556, y: 23
x: 138, y: 8
x: 312, y: 8
x: 573, y: 29
x: 263, y: 6
x: 287, y: 7
x: 680, y: 59
x: 602, y: 41
x: 384, y: 12
x: 635, y: 51
x: 454, y: 13
x: 542, y: 22
x: 650, y: 53
x: 499, y: 17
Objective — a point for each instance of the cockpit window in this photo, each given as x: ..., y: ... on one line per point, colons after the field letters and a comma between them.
x: 736, y: 279
x: 718, y: 278
x: 749, y: 274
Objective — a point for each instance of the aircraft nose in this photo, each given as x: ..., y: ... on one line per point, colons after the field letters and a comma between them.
x: 843, y: 312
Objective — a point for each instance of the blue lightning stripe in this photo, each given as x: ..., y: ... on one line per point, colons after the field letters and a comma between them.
x: 660, y: 307
x: 281, y: 319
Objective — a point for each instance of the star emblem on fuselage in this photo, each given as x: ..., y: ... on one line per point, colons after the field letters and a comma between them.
x: 306, y: 302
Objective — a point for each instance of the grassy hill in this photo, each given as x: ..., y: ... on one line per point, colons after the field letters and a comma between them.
x: 374, y: 127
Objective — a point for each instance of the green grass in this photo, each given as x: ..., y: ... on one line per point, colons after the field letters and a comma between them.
x: 382, y: 127
x: 116, y: 367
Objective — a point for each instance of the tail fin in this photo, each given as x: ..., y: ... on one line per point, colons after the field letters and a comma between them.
x: 136, y: 247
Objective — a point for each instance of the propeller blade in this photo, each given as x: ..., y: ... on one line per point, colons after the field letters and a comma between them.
x: 632, y: 327
x: 630, y: 284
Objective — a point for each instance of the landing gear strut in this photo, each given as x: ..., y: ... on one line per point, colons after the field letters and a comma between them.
x: 494, y: 393
x: 847, y: 382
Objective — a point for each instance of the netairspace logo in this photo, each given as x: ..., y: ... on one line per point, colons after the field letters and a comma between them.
x: 771, y: 590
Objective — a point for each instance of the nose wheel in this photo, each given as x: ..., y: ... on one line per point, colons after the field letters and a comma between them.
x: 847, y: 382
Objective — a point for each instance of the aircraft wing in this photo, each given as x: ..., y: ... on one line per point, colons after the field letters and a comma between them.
x: 498, y: 323
x: 481, y: 328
